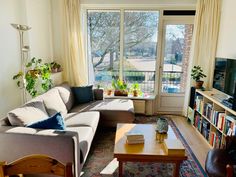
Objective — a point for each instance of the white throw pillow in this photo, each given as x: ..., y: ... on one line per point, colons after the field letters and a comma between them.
x: 27, y: 114
x: 53, y: 102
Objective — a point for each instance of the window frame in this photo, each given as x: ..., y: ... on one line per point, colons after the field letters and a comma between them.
x: 141, y: 7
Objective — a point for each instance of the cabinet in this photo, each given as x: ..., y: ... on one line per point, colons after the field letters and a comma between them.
x: 142, y: 104
x: 211, y: 118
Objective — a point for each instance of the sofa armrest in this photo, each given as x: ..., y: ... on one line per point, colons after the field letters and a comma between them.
x: 16, y: 142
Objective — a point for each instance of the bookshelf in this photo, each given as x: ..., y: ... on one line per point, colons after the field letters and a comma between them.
x: 212, y: 119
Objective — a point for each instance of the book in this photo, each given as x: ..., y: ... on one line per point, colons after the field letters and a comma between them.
x: 221, y: 120
x: 140, y: 141
x: 174, y: 147
x: 134, y: 136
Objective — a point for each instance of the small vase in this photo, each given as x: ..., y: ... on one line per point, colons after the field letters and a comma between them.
x: 162, y: 125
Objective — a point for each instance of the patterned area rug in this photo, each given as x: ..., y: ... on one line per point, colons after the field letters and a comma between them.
x: 101, y: 154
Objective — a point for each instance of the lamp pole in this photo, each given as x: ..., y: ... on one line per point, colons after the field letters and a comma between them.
x: 23, y: 49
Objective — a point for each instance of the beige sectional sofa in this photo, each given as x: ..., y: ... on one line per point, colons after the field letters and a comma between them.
x: 70, y: 145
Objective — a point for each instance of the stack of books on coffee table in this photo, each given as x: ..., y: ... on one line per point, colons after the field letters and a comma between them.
x: 134, y: 138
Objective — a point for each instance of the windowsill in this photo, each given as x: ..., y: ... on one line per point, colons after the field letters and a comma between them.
x: 143, y: 97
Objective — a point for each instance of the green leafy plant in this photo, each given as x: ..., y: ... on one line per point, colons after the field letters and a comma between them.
x: 37, y: 77
x: 197, y: 73
x: 55, y: 67
x: 119, y: 84
x: 135, y: 89
x: 135, y: 86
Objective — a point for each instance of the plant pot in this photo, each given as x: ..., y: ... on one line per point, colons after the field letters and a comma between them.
x: 121, y: 93
x: 98, y: 94
x: 135, y: 93
x: 109, y: 92
x: 199, y: 84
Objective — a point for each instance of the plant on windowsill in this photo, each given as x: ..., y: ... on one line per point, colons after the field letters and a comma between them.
x: 98, y: 92
x: 135, y: 89
x: 197, y: 74
x: 120, y: 87
x: 36, y: 79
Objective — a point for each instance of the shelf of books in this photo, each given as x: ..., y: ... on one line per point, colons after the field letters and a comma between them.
x: 213, y: 119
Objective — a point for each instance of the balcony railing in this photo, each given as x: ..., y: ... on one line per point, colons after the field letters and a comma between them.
x: 171, y: 80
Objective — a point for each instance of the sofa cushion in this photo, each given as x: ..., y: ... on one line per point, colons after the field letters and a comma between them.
x: 53, y: 102
x: 90, y: 119
x: 66, y: 95
x: 54, y: 122
x: 27, y: 114
x: 112, y: 111
x: 83, y: 94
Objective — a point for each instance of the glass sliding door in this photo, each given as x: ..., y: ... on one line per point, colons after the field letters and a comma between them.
x: 140, y: 48
x: 103, y: 45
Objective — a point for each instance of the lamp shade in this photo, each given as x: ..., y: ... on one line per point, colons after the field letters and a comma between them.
x: 21, y: 27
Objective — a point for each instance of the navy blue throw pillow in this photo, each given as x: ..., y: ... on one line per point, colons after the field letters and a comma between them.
x: 54, y: 122
x: 83, y: 94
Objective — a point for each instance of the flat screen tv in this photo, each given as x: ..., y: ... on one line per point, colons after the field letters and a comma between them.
x: 225, y: 75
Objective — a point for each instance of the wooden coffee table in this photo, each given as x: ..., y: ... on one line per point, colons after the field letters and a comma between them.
x: 150, y: 151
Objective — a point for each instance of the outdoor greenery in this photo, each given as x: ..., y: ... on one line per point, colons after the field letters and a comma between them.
x: 197, y: 73
x: 37, y: 77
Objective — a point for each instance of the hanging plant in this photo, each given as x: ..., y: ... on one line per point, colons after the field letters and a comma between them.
x: 37, y: 77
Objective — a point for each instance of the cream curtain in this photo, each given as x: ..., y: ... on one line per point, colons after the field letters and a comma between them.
x: 204, y: 43
x: 75, y: 71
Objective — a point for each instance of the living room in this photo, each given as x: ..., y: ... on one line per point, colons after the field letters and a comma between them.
x: 164, y: 79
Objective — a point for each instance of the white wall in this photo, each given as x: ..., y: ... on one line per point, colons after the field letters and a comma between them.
x: 35, y: 13
x: 38, y: 14
x: 227, y: 35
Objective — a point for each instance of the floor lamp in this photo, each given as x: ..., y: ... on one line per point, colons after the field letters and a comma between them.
x: 24, y: 52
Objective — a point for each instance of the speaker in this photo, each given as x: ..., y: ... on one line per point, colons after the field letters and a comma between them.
x: 234, y: 98
x: 192, y: 97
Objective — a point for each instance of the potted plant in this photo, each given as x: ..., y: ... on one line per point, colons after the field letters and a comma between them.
x: 98, y: 92
x: 135, y: 88
x: 55, y: 67
x: 120, y: 87
x: 36, y: 79
x: 197, y: 74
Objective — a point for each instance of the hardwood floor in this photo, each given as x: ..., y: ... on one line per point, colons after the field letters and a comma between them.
x: 195, y: 140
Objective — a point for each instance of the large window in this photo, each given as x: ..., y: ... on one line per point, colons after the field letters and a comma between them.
x: 140, y: 44
x: 104, y: 45
x: 123, y: 44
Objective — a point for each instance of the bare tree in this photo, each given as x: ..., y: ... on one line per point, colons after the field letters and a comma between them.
x: 104, y: 30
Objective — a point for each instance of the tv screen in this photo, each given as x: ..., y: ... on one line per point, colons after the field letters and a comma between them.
x: 225, y: 75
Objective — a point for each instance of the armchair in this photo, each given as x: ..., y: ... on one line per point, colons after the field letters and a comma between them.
x: 219, y: 162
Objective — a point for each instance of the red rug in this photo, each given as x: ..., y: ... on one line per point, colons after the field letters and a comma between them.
x: 101, y: 154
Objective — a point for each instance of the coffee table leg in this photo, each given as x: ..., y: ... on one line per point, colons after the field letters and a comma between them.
x: 120, y: 168
x: 176, y: 171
